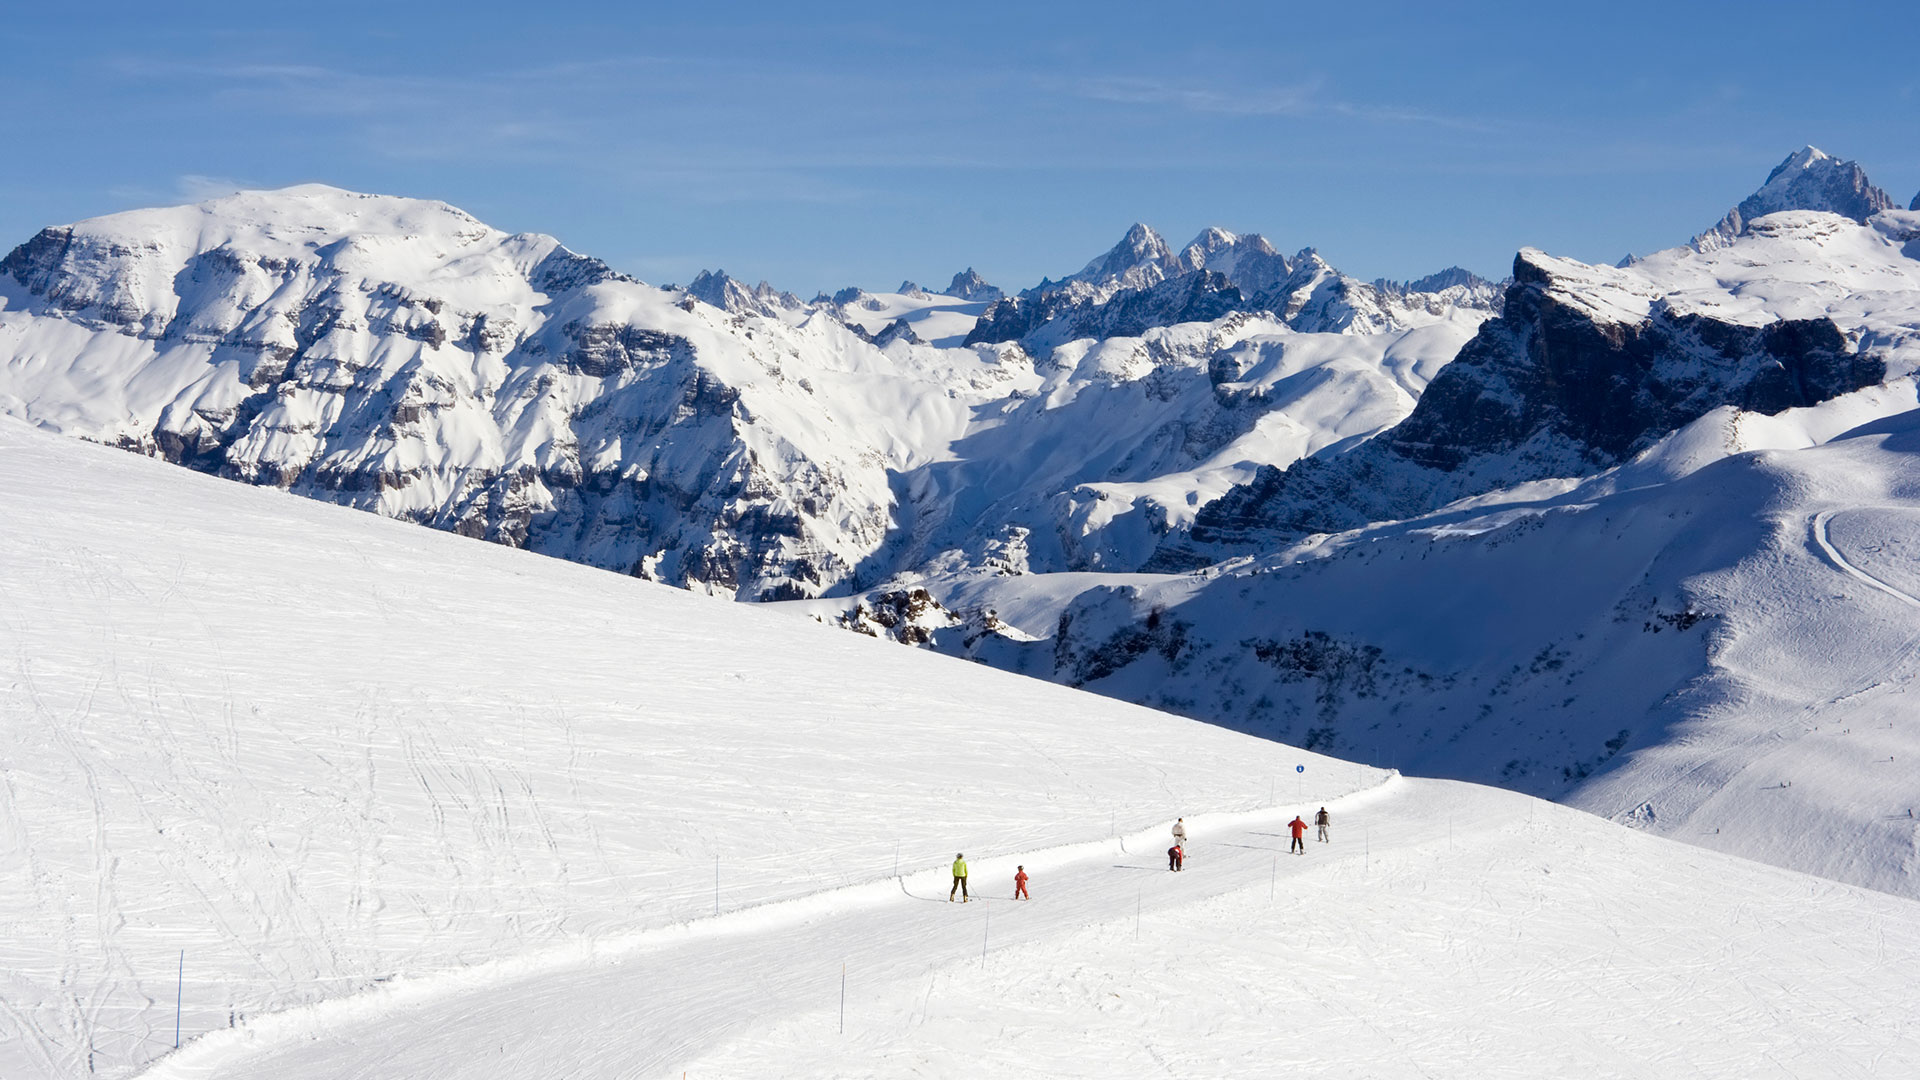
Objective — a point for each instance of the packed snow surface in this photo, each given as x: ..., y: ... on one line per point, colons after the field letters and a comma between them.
x: 318, y: 750
x: 416, y: 805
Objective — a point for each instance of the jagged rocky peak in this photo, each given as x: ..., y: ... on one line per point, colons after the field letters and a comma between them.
x: 1809, y: 179
x: 1140, y: 249
x: 1217, y: 249
x: 897, y: 330
x: 729, y: 294
x: 910, y: 287
x: 1451, y: 278
x: 1915, y: 204
x: 969, y: 285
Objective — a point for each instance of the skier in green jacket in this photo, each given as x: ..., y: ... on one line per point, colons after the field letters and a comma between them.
x: 959, y: 879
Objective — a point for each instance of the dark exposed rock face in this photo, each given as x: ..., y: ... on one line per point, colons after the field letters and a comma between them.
x: 909, y: 616
x: 1201, y: 296
x: 968, y: 285
x: 1546, y: 390
x: 897, y: 330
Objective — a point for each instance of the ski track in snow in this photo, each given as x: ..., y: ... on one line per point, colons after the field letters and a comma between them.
x: 1821, y: 522
x: 328, y: 754
x: 322, y: 752
x: 1448, y: 931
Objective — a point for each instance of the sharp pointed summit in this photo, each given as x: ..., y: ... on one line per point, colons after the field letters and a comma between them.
x: 1140, y: 249
x: 969, y: 285
x: 1809, y: 179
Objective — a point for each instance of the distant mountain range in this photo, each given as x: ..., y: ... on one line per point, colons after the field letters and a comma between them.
x: 1221, y: 480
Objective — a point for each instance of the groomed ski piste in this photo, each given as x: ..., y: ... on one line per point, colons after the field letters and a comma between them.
x: 418, y: 806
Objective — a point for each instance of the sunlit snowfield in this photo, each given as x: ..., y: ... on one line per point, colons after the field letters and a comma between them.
x: 482, y: 806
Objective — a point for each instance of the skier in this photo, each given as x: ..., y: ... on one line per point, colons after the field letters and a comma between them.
x: 1180, y: 832
x: 1175, y: 857
x: 1299, y: 830
x: 959, y: 879
x: 1321, y: 819
x: 1020, y: 884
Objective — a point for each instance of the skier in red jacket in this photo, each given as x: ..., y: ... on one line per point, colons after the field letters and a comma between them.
x: 1299, y: 830
x: 1020, y: 884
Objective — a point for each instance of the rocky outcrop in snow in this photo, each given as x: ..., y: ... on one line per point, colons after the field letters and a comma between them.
x: 1585, y: 367
x: 728, y: 294
x: 969, y: 285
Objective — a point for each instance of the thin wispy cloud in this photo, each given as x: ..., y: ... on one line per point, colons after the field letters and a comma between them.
x: 1271, y: 101
x: 1301, y: 100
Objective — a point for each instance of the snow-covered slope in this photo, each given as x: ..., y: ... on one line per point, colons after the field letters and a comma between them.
x: 319, y: 750
x: 1444, y: 932
x: 1712, y: 647
x: 417, y: 806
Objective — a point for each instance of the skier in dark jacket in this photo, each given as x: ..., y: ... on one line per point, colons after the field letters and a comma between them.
x: 1299, y: 832
x: 1321, y: 819
x: 1175, y: 856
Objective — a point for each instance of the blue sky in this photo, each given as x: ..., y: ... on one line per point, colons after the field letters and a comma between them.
x: 832, y: 144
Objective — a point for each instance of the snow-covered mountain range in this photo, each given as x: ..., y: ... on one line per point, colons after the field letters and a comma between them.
x: 1476, y: 530
x: 401, y: 357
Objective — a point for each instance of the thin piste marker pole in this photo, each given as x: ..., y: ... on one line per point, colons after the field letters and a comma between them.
x: 843, y: 999
x: 987, y: 932
x: 716, y: 884
x: 179, y: 995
